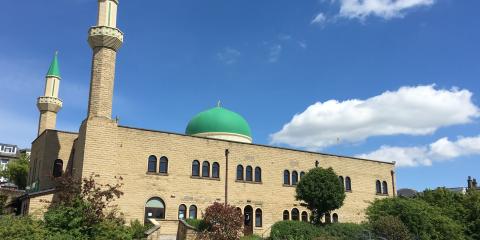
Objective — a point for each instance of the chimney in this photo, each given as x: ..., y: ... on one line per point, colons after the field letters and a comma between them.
x: 469, y: 182
x: 474, y: 183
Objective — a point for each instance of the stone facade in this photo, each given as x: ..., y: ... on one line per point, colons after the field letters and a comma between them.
x: 122, y: 151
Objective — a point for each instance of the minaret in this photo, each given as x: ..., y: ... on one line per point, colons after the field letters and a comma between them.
x: 97, y: 140
x: 105, y: 39
x: 49, y: 104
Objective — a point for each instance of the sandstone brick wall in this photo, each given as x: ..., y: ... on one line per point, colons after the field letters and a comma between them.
x: 120, y: 151
x: 47, y: 148
x: 38, y: 205
x: 101, y: 87
x: 48, y: 120
x: 178, y: 187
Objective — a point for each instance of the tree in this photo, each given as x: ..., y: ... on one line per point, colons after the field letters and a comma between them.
x: 391, y: 228
x: 223, y: 222
x: 82, y: 207
x: 17, y: 171
x: 472, y: 216
x: 463, y: 208
x: 423, y: 220
x: 321, y: 191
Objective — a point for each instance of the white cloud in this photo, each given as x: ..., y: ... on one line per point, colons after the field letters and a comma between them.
x: 387, y: 9
x: 302, y: 44
x: 274, y: 53
x: 284, y: 37
x: 229, y: 55
x: 319, y: 19
x: 416, y: 110
x: 361, y: 9
x: 441, y: 150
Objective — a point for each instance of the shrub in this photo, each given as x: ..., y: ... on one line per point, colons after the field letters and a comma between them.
x: 294, y: 230
x: 345, y: 231
x: 198, y: 224
x: 223, y: 222
x: 137, y: 230
x: 391, y: 228
x: 21, y: 228
x: 107, y: 230
x: 423, y: 221
x: 3, y: 200
x: 322, y: 192
x: 251, y: 237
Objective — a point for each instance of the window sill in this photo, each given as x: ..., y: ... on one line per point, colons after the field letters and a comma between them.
x: 251, y: 182
x: 289, y: 185
x: 157, y: 174
x: 382, y: 194
x: 205, y: 178
x: 348, y: 191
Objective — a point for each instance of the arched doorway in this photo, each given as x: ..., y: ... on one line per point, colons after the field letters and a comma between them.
x: 154, y: 208
x: 248, y: 220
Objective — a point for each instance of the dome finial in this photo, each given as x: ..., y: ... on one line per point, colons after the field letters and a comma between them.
x: 219, y: 103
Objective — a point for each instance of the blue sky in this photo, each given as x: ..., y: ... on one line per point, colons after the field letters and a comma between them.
x: 392, y: 80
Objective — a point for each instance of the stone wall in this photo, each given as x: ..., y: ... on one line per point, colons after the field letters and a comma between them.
x: 113, y: 151
x: 185, y: 231
x: 48, y: 147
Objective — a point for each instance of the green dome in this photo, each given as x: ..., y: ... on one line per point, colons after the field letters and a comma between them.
x: 218, y: 120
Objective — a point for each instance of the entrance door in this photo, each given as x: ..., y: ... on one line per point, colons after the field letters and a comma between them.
x: 248, y: 221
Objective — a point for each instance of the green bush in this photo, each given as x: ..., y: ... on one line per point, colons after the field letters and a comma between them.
x: 391, y: 227
x: 3, y: 200
x: 251, y: 237
x: 294, y: 230
x: 198, y: 224
x: 423, y: 220
x: 21, y: 228
x: 344, y: 231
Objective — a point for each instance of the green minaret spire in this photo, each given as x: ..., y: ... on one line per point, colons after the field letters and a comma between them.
x: 54, y: 70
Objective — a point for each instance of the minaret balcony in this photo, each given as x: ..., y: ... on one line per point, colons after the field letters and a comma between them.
x: 103, y: 36
x: 46, y: 103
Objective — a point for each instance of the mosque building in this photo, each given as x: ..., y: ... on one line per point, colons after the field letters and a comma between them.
x: 170, y: 176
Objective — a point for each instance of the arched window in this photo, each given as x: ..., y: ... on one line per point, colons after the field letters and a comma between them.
x: 286, y: 215
x: 335, y: 218
x: 163, y: 165
x: 182, y: 211
x: 216, y: 170
x: 304, y: 216
x: 258, y: 174
x: 286, y: 177
x: 340, y: 179
x: 248, y: 173
x: 378, y: 187
x: 196, y: 168
x: 205, y: 169
x: 57, y: 168
x: 240, y: 172
x: 302, y: 174
x: 328, y: 218
x: 152, y: 164
x: 294, y: 178
x: 385, y: 187
x: 155, y: 208
x: 348, y: 184
x: 295, y: 214
x: 192, y: 212
x: 258, y: 217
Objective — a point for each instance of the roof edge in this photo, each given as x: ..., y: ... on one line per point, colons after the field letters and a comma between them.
x: 256, y: 144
